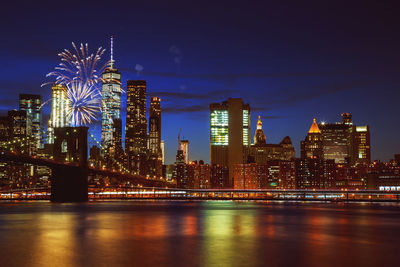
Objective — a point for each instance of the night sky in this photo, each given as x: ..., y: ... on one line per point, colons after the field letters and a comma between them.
x: 290, y: 62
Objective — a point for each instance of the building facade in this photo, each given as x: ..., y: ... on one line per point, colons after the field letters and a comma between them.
x: 199, y: 175
x: 60, y: 110
x: 312, y: 147
x: 136, y: 126
x: 361, y: 146
x: 111, y: 107
x: 261, y: 152
x: 184, y: 146
x: 32, y: 105
x: 335, y: 139
x: 180, y: 171
x: 155, y: 160
x: 229, y: 134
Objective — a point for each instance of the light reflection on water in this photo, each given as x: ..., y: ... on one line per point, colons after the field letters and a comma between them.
x: 209, y: 233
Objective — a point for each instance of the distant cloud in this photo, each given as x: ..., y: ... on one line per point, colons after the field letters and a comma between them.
x: 230, y: 76
x: 270, y: 117
x: 177, y: 55
x: 285, y: 97
x: 206, y: 95
x: 139, y: 68
x: 32, y: 47
x: 259, y: 108
x: 185, y: 109
x: 292, y: 96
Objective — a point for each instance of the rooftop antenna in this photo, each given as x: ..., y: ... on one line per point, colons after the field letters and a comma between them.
x: 179, y: 139
x: 111, y: 52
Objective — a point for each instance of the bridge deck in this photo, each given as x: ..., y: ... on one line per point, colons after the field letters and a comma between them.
x: 225, y: 194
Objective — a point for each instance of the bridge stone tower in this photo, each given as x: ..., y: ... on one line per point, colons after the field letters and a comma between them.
x: 69, y: 180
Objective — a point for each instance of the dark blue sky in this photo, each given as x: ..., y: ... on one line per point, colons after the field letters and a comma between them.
x: 290, y: 62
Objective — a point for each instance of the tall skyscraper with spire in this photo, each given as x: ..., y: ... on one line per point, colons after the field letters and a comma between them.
x: 111, y: 104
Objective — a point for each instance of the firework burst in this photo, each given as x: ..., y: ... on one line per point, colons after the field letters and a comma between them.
x: 79, y: 65
x: 79, y: 70
x: 85, y: 103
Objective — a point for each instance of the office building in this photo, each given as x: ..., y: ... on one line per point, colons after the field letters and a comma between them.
x: 60, y: 110
x: 347, y: 118
x: 245, y: 176
x: 163, y: 152
x: 136, y: 126
x: 219, y: 177
x: 261, y: 152
x: 155, y: 160
x: 95, y: 157
x: 155, y: 126
x: 312, y: 147
x: 335, y: 139
x: 115, y: 148
x: 32, y: 105
x: 18, y: 124
x: 111, y: 104
x: 250, y: 176
x: 287, y: 174
x: 198, y: 175
x: 361, y: 146
x: 229, y: 134
x: 180, y: 171
x: 4, y: 129
x: 184, y: 146
x: 397, y: 159
x: 310, y: 173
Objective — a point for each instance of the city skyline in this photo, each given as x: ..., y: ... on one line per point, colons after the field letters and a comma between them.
x: 287, y: 77
x: 199, y: 133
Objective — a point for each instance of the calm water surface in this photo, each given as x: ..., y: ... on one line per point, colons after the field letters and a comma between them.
x: 211, y: 233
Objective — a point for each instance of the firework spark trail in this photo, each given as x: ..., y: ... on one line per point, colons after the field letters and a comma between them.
x: 44, y: 103
x: 78, y: 71
x: 79, y: 65
x: 85, y: 103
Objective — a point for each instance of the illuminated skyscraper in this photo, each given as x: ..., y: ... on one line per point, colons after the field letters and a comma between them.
x: 111, y: 103
x: 180, y: 171
x: 335, y: 138
x: 18, y: 124
x: 116, y: 144
x: 4, y: 129
x: 347, y: 118
x: 361, y: 147
x: 311, y: 147
x: 60, y: 110
x: 155, y: 126
x: 155, y: 153
x: 229, y: 133
x: 184, y: 146
x: 136, y: 125
x: 31, y: 104
x: 163, y: 151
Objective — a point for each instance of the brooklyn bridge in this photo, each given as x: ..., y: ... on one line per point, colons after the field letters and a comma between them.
x: 70, y: 170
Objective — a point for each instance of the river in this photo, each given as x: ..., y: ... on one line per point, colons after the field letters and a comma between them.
x: 199, y: 233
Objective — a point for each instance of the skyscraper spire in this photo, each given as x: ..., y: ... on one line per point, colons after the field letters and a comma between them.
x: 111, y: 52
x: 111, y: 106
x: 259, y: 123
x: 314, y: 127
